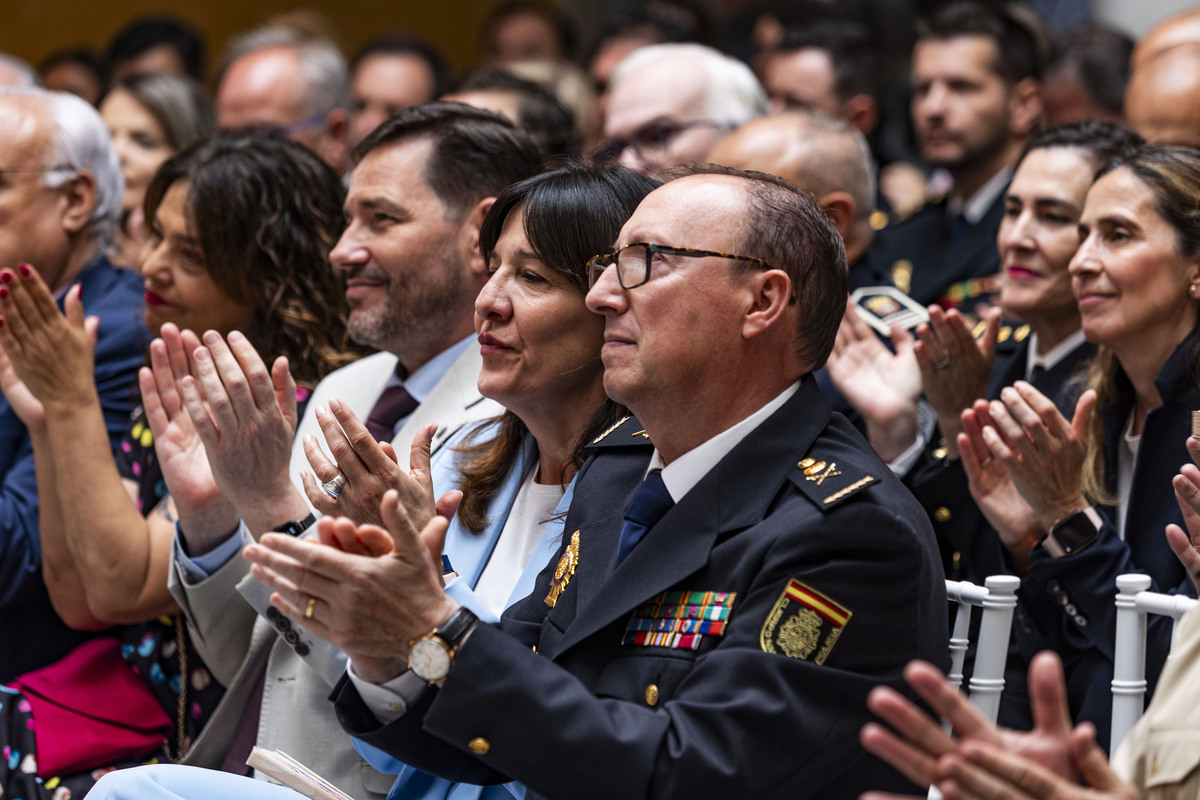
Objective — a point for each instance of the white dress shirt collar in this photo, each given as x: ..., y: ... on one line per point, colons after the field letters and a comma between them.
x: 1055, y: 354
x: 686, y: 471
x: 421, y: 382
x: 976, y: 206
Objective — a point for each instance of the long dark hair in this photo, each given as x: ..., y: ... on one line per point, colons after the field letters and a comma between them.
x: 571, y: 214
x: 267, y: 212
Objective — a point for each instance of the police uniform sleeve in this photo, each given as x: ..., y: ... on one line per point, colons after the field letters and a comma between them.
x: 837, y: 604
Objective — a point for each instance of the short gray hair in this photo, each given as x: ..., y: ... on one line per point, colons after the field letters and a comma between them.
x: 80, y: 141
x: 845, y: 162
x: 322, y: 65
x: 732, y: 93
x: 24, y: 73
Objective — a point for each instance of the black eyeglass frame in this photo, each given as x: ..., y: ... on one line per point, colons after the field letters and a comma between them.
x: 597, y: 264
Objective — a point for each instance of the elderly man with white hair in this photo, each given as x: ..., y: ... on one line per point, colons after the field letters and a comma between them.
x: 60, y: 201
x: 15, y: 72
x: 670, y: 103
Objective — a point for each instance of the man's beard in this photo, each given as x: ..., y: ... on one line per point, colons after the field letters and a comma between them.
x: 415, y: 316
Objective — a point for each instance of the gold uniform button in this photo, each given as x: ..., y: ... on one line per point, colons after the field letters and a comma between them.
x: 479, y: 746
x: 942, y: 514
x: 535, y: 648
x: 652, y: 695
x: 400, y: 707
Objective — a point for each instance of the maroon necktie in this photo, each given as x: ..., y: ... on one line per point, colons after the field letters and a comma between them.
x: 394, y: 404
x: 246, y: 732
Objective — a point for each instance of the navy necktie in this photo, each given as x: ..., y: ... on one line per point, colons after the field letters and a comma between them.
x: 650, y: 502
x: 960, y: 230
x: 394, y: 404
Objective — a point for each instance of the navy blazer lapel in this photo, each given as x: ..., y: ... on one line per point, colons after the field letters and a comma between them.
x: 601, y: 499
x: 728, y: 499
x: 1008, y: 368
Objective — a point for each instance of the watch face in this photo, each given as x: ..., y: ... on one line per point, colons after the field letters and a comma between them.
x: 430, y: 660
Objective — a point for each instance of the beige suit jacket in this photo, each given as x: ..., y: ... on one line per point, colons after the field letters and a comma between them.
x: 236, y: 642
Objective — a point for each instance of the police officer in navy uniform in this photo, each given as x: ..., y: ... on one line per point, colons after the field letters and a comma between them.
x: 715, y: 617
x: 976, y: 101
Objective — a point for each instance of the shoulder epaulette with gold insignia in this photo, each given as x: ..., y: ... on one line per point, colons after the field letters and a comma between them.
x: 1010, y: 335
x: 625, y: 432
x: 826, y: 483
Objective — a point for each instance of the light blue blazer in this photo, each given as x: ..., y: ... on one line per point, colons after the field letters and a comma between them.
x: 469, y: 553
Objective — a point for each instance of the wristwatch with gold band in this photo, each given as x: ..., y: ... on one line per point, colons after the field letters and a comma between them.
x: 431, y: 656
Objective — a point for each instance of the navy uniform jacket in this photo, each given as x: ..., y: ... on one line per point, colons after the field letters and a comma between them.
x: 831, y: 577
x: 32, y: 635
x: 1068, y: 602
x: 970, y: 548
x: 919, y: 256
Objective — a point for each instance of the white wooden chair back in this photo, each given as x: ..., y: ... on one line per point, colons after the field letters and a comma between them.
x: 998, y: 599
x: 1134, y: 602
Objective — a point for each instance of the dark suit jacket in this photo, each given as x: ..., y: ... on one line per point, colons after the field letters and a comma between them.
x: 921, y: 247
x: 771, y: 705
x: 1068, y: 602
x: 32, y: 634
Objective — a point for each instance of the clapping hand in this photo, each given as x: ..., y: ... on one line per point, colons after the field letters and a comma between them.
x: 882, y: 386
x: 954, y: 366
x: 246, y: 417
x: 371, y: 606
x: 369, y: 468
x: 919, y: 748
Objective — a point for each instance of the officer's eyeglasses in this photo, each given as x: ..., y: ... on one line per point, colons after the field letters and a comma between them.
x: 633, y: 261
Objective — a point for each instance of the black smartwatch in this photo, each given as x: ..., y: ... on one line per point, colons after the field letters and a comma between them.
x: 430, y: 656
x: 295, y: 528
x: 1074, y: 533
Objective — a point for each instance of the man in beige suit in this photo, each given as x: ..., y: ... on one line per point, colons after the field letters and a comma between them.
x: 421, y: 185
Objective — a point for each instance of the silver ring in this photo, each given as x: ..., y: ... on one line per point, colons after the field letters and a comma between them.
x: 945, y: 362
x: 333, y: 486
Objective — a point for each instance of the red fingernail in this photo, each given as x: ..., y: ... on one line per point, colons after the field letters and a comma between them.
x: 6, y: 276
x: 1, y: 322
x: 24, y: 270
x: 4, y: 292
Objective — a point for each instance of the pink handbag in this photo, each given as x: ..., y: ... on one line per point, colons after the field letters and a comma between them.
x: 91, y: 710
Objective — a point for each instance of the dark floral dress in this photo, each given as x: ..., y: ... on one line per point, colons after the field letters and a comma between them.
x: 152, y: 651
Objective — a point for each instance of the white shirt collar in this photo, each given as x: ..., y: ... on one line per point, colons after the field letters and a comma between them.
x: 1054, y: 356
x: 421, y: 382
x: 976, y: 207
x: 686, y: 471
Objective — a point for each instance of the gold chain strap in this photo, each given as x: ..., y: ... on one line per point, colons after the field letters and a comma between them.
x: 181, y: 715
